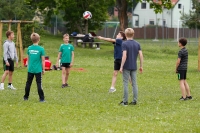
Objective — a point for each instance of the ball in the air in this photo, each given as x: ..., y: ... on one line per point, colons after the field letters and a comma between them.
x: 87, y: 15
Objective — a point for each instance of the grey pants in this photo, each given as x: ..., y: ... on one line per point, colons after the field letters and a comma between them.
x: 133, y: 75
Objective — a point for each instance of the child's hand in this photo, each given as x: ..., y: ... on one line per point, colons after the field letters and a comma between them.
x: 71, y: 64
x: 43, y: 71
x: 121, y: 70
x: 99, y: 37
x: 141, y: 69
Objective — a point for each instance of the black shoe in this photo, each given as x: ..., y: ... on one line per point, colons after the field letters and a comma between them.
x: 67, y: 85
x: 133, y: 103
x: 63, y: 86
x: 183, y: 98
x: 189, y: 97
x: 42, y: 100
x: 123, y: 103
x: 25, y: 99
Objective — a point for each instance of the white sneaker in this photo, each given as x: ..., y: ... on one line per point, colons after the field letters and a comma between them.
x: 11, y: 87
x: 111, y: 90
x: 2, y: 86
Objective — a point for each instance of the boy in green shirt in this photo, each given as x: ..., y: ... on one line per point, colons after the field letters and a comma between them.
x: 36, y: 66
x: 66, y: 57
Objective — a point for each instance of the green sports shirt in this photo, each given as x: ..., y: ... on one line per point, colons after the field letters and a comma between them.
x: 35, y: 53
x: 66, y: 52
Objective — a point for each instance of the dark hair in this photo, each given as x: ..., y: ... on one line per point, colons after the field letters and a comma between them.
x: 8, y: 33
x: 123, y: 35
x: 183, y: 41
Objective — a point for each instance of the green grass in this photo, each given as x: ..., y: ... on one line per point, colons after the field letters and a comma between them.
x: 88, y: 107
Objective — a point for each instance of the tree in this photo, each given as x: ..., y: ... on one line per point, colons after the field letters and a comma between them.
x: 20, y: 10
x: 15, y: 9
x: 192, y: 20
x: 72, y: 11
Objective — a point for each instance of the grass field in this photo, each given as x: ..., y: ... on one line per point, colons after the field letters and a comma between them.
x: 87, y: 106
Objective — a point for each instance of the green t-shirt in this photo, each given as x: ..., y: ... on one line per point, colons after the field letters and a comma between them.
x: 35, y: 54
x: 66, y: 52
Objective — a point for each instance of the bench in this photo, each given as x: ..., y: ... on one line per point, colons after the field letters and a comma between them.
x: 91, y: 44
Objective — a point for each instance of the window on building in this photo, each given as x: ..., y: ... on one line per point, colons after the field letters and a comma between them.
x: 151, y: 22
x: 136, y: 23
x: 179, y: 6
x: 164, y: 23
x: 143, y: 6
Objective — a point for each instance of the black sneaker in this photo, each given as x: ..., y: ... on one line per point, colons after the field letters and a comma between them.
x: 183, y: 98
x: 189, y: 97
x: 123, y: 103
x: 42, y: 101
x: 25, y: 99
x: 133, y: 103
x: 67, y: 85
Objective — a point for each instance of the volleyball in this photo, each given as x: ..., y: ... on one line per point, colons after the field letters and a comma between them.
x: 87, y: 15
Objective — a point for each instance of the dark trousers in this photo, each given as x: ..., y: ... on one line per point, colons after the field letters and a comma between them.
x: 30, y: 77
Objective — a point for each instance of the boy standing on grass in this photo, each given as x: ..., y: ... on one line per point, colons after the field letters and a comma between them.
x: 36, y: 66
x: 117, y: 56
x: 66, y: 56
x: 181, y: 69
x: 128, y: 68
x: 9, y: 55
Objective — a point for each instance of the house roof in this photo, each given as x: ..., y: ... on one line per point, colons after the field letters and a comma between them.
x: 173, y: 1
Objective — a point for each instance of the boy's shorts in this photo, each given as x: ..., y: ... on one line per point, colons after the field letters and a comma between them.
x: 181, y: 74
x: 9, y: 68
x: 117, y: 64
x: 66, y: 65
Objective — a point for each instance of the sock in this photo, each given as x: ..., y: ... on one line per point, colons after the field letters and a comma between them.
x: 112, y: 88
x: 9, y: 83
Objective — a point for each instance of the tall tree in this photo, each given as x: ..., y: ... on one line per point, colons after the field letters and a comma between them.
x: 15, y: 9
x: 192, y: 20
x: 72, y: 11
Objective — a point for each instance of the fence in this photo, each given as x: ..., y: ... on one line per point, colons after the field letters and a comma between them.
x: 153, y: 33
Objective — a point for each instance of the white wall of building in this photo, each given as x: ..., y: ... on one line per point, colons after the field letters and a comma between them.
x: 169, y: 18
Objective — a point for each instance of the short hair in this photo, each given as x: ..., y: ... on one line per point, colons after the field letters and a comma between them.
x: 65, y: 35
x: 129, y: 32
x: 35, y: 37
x: 8, y: 33
x: 183, y: 41
x: 123, y: 35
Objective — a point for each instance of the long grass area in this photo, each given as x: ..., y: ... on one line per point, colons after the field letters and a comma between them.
x: 87, y: 107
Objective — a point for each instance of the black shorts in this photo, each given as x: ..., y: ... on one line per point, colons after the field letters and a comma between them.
x: 67, y: 65
x: 117, y: 64
x: 181, y: 74
x: 9, y: 68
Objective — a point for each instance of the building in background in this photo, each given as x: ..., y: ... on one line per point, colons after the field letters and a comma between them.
x: 144, y: 15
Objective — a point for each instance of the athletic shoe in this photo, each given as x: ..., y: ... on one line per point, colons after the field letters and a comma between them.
x: 133, y: 103
x: 183, y: 98
x: 63, y: 86
x: 42, y: 101
x: 67, y: 85
x: 111, y: 90
x: 11, y: 87
x: 123, y: 103
x: 2, y: 86
x: 25, y: 99
x: 189, y: 97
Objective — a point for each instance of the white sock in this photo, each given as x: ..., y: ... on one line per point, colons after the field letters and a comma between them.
x: 112, y: 88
